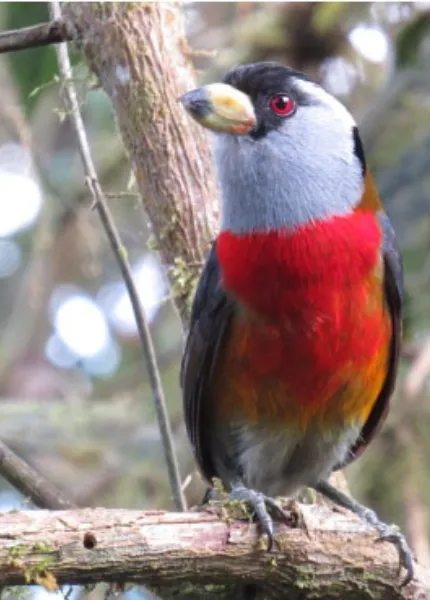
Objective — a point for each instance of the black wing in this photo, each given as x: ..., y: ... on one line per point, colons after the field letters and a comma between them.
x: 394, y: 290
x: 210, y: 319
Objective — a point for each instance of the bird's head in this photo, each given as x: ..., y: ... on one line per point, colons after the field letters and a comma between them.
x: 287, y: 151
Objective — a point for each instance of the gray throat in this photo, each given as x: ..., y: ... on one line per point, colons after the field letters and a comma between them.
x: 273, y: 183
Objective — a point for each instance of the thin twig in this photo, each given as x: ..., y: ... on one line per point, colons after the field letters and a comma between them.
x: 30, y: 483
x: 100, y: 204
x: 37, y: 35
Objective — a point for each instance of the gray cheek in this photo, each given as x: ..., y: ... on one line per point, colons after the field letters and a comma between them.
x: 287, y: 178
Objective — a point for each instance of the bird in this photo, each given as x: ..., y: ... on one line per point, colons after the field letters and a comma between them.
x: 293, y: 344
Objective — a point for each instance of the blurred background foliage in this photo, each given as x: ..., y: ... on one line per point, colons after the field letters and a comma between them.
x: 75, y: 399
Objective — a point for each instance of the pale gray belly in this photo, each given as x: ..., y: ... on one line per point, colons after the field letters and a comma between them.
x: 281, y: 464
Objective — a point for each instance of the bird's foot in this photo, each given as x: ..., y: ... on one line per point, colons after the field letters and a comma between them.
x: 387, y: 533
x: 265, y: 510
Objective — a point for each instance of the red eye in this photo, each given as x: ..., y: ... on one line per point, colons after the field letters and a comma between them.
x: 282, y: 105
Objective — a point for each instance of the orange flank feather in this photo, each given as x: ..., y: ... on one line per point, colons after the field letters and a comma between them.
x: 338, y: 398
x: 319, y: 351
x: 370, y: 198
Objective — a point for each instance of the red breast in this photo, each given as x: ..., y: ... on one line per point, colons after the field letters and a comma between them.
x: 312, y: 321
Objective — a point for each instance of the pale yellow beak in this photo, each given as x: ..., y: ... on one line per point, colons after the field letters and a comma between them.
x: 221, y: 107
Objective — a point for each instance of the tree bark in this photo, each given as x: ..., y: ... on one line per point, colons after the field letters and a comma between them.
x: 186, y: 554
x: 140, y: 55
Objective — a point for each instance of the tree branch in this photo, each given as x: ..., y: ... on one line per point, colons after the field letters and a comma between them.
x: 101, y: 205
x: 29, y: 482
x: 37, y: 35
x: 140, y: 55
x: 335, y: 557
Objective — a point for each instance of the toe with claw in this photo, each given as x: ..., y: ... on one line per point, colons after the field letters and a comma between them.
x: 386, y: 532
x: 406, y: 557
x: 266, y: 510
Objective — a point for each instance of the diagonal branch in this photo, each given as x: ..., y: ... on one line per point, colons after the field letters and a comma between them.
x: 29, y: 482
x: 101, y: 205
x: 199, y: 555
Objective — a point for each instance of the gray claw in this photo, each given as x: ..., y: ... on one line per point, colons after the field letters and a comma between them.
x: 406, y: 557
x: 386, y: 532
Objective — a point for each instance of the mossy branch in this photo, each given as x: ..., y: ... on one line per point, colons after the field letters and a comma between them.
x: 334, y: 556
